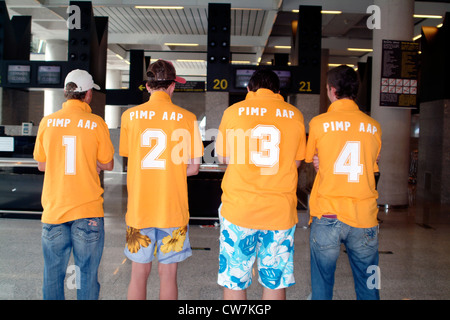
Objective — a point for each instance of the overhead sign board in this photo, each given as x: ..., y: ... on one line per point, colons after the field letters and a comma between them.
x: 399, y: 74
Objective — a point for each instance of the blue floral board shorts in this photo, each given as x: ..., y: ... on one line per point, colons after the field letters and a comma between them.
x: 169, y: 245
x: 239, y: 247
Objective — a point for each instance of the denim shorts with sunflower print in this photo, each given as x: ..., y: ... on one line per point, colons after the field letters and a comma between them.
x: 169, y: 245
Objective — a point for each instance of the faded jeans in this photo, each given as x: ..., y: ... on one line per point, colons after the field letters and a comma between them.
x: 361, y: 244
x: 86, y: 238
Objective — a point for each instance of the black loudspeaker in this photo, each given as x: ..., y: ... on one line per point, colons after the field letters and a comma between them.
x: 219, y: 56
x: 81, y: 18
x: 88, y: 41
x: 309, y: 45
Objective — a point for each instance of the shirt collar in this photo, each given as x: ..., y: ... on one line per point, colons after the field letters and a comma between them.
x: 263, y: 93
x: 343, y: 105
x: 160, y: 95
x: 77, y: 104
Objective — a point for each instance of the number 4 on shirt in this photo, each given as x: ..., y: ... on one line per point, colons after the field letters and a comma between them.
x: 348, y: 162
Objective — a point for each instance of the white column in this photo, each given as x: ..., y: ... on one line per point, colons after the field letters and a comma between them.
x: 113, y: 113
x: 396, y: 24
x: 55, y: 50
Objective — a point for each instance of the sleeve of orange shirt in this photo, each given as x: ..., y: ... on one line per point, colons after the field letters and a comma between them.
x: 301, y: 146
x: 196, y: 151
x: 311, y: 148
x: 196, y: 142
x: 221, y: 139
x: 105, y: 152
x: 375, y: 166
x: 39, y: 152
x: 123, y: 146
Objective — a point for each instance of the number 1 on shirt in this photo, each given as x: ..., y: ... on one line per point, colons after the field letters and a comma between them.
x: 70, y: 144
x: 348, y: 162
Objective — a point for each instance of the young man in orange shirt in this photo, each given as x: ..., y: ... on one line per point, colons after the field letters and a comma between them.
x: 262, y: 139
x: 163, y: 145
x: 343, y: 201
x: 72, y: 147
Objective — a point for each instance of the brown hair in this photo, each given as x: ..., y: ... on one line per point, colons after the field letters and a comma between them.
x: 345, y: 80
x: 161, y: 74
x: 70, y: 94
x: 264, y: 78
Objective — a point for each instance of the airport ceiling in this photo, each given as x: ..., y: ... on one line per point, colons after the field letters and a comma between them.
x: 259, y: 28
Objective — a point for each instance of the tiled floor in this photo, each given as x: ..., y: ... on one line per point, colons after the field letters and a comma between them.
x: 414, y: 256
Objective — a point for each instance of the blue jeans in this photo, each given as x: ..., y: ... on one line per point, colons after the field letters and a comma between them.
x: 86, y: 238
x: 362, y: 249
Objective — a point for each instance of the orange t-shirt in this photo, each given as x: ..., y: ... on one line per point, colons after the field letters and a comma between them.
x: 262, y: 136
x: 159, y: 139
x: 347, y: 142
x: 71, y: 141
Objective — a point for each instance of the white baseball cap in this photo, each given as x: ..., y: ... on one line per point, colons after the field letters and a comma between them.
x: 82, y: 79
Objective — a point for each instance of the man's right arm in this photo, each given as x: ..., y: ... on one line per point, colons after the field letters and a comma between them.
x: 41, y: 166
x: 223, y: 160
x: 105, y: 151
x: 105, y: 166
x: 316, y: 162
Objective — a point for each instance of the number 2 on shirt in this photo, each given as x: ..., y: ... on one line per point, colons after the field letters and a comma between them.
x: 151, y: 161
x: 348, y: 162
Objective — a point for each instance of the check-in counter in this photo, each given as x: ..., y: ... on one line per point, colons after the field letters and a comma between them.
x: 20, y: 180
x: 205, y: 192
x: 21, y: 183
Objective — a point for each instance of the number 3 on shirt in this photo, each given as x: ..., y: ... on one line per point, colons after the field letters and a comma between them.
x: 270, y: 150
x: 348, y: 161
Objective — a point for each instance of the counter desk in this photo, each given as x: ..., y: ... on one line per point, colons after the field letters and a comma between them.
x: 20, y: 186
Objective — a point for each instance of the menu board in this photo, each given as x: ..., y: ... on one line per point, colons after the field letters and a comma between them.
x: 399, y: 74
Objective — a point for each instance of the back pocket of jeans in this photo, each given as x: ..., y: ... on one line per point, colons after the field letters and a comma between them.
x: 325, y: 234
x: 88, y: 230
x: 51, y: 231
x: 371, y: 236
